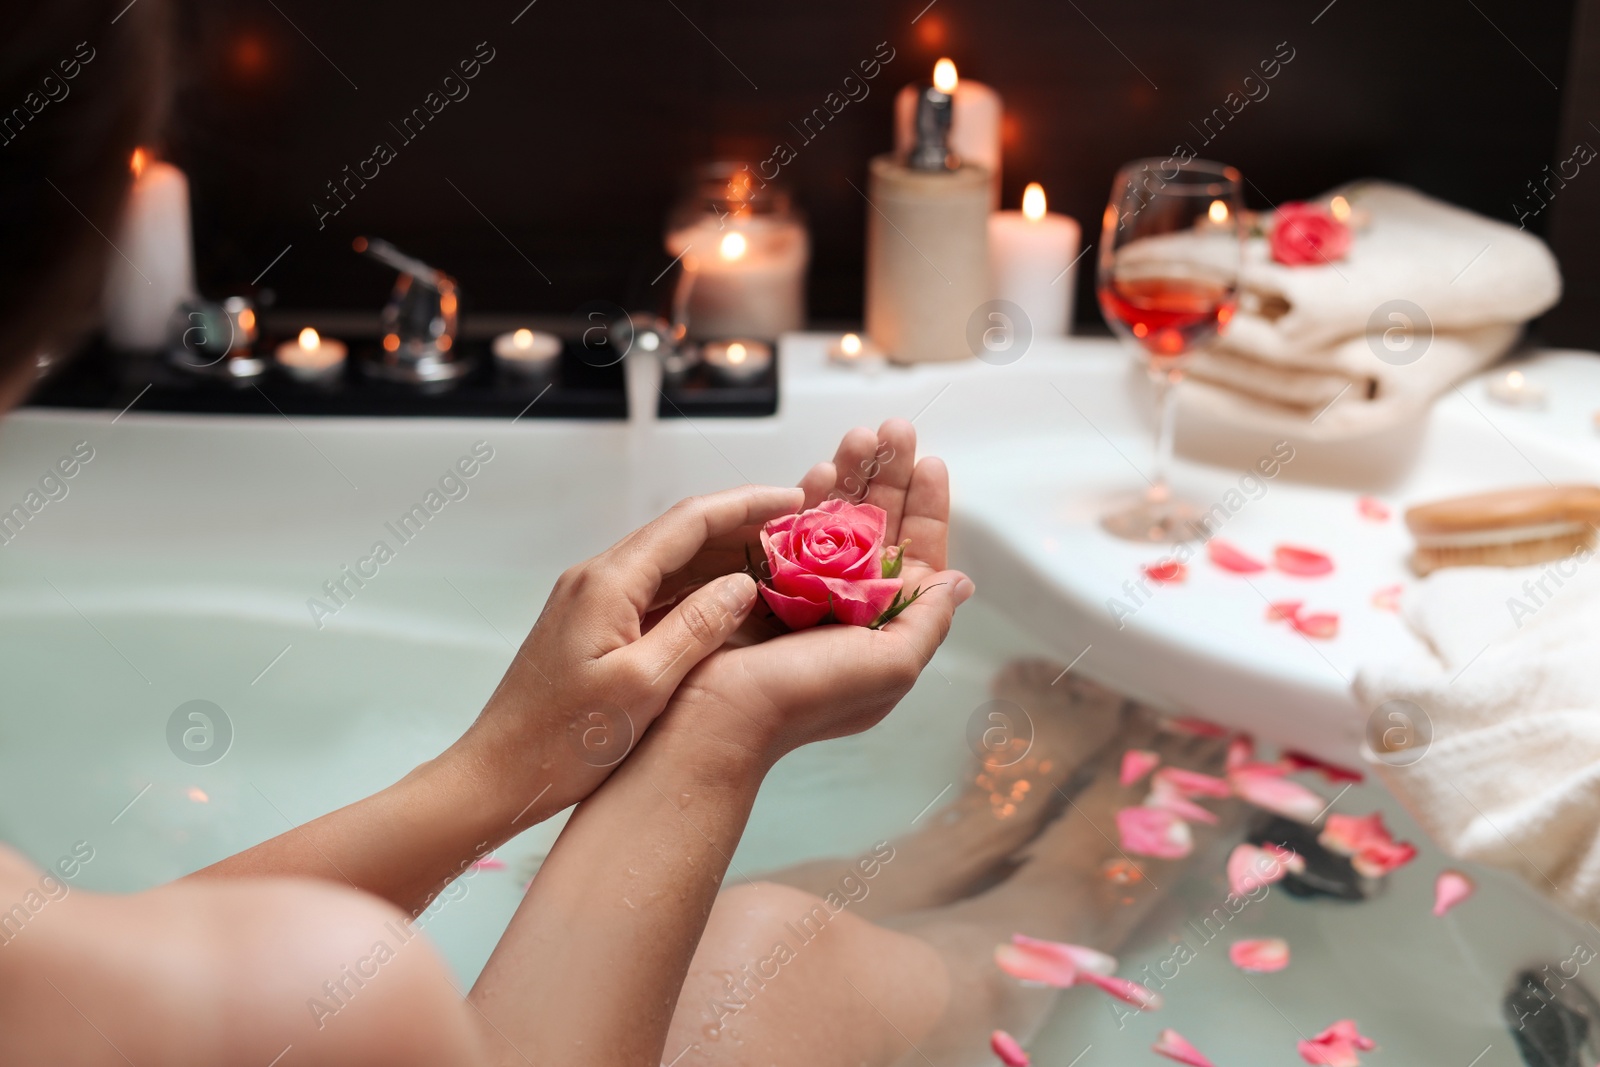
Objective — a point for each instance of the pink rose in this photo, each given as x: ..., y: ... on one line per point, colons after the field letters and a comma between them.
x: 829, y: 561
x: 1305, y: 234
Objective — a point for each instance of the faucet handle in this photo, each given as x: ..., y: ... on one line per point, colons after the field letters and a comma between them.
x: 420, y: 322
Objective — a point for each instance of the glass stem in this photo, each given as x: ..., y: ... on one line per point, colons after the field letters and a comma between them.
x: 1167, y: 416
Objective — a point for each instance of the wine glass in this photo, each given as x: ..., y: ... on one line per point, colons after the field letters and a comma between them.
x: 1170, y: 253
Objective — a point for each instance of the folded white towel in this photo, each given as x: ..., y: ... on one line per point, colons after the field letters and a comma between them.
x: 1512, y: 690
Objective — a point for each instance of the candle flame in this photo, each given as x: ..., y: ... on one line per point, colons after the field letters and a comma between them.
x: 522, y: 339
x: 138, y: 162
x: 1339, y: 207
x: 733, y: 246
x: 1033, y: 202
x: 850, y: 344
x: 737, y: 353
x: 944, y: 76
x: 1514, y: 379
x: 1218, y: 212
x: 309, y: 339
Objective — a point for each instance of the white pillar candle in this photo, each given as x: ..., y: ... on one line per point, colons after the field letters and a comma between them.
x: 1031, y: 262
x: 312, y: 356
x: 748, y: 275
x: 152, y: 268
x: 974, y: 122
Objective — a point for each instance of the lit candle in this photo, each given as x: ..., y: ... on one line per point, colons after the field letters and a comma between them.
x: 1514, y: 390
x: 738, y: 362
x: 974, y: 122
x: 312, y: 356
x: 745, y: 273
x: 152, y: 270
x: 853, y: 351
x: 528, y: 352
x: 1031, y: 254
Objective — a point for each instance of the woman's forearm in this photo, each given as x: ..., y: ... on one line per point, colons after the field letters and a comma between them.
x: 590, y: 968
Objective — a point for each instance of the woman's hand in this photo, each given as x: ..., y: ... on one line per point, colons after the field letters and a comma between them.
x: 768, y: 698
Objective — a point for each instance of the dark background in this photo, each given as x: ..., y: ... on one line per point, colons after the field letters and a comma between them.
x: 575, y: 138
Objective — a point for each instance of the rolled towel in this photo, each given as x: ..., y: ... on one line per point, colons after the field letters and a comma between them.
x: 1512, y: 690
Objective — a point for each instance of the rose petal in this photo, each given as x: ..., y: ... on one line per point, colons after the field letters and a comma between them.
x: 1250, y: 868
x: 1241, y: 750
x: 1450, y: 889
x: 1174, y: 1046
x: 1125, y: 990
x: 1136, y: 763
x: 1168, y: 797
x: 1276, y: 794
x: 1193, y: 783
x: 1154, y: 832
x: 1197, y: 727
x: 1301, y: 562
x: 1284, y: 609
x: 1372, y: 509
x: 1005, y: 1046
x: 795, y: 612
x: 1027, y: 964
x: 1262, y: 956
x: 489, y: 863
x: 1388, y: 598
x: 1336, y: 1046
x: 1320, y: 625
x: 1081, y: 957
x: 1166, y: 571
x: 1230, y: 558
x: 1372, y: 849
x: 1331, y: 772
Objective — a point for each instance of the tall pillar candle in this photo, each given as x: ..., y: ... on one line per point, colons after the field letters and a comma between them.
x: 152, y: 269
x: 1031, y: 262
x: 974, y: 124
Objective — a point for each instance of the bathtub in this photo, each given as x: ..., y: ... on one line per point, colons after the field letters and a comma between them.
x: 186, y: 557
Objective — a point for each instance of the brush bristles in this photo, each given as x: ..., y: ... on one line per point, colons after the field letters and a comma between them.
x: 1426, y: 560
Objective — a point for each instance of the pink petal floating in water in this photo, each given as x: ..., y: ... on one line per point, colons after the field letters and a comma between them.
x: 1193, y: 783
x: 1274, y: 793
x: 1241, y: 750
x: 1331, y: 772
x: 1284, y: 609
x: 1250, y: 868
x: 1166, y: 571
x: 1174, y: 1046
x: 1169, y: 798
x: 1136, y: 763
x: 1388, y: 598
x: 1125, y: 990
x: 1372, y: 849
x: 1042, y: 968
x: 1005, y: 1046
x: 489, y: 863
x: 1261, y: 956
x: 1230, y: 558
x: 1373, y: 509
x: 1154, y: 832
x: 1450, y: 889
x: 1336, y: 1046
x: 1322, y: 624
x: 1081, y: 956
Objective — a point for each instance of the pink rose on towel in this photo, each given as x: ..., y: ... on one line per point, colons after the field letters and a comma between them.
x: 1306, y: 235
x: 829, y: 565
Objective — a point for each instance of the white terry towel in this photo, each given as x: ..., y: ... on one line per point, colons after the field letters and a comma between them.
x: 1300, y: 339
x: 1512, y: 689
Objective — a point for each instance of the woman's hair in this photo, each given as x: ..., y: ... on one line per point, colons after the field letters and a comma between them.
x: 82, y: 83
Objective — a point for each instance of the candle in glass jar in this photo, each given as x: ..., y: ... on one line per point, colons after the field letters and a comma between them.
x: 152, y: 271
x: 746, y: 275
x: 312, y: 356
x: 1031, y: 254
x: 974, y: 122
x: 737, y: 361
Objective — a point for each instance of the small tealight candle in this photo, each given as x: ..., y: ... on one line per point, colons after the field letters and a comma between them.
x: 312, y: 356
x: 738, y: 362
x: 852, y: 350
x: 1514, y: 390
x: 1031, y: 257
x: 527, y: 351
